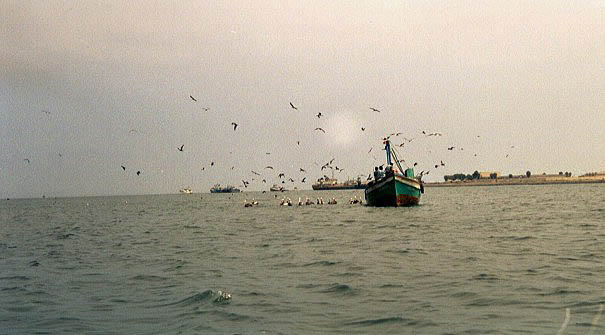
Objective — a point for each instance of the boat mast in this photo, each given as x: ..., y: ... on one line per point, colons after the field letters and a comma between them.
x: 387, y: 148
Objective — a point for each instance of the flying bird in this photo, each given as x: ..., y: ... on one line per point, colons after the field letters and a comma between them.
x: 123, y: 167
x: 234, y: 125
x: 26, y: 160
x: 303, y: 180
x: 281, y: 175
x: 442, y: 163
x: 181, y: 148
x: 319, y: 115
x: 256, y: 173
x: 320, y: 129
x: 269, y: 167
x: 292, y: 105
x: 374, y: 109
x: 192, y: 98
x: 290, y: 179
x: 302, y: 170
x: 138, y: 173
x: 363, y: 129
x: 297, y: 142
x: 450, y: 148
x: 211, y: 163
x: 205, y: 109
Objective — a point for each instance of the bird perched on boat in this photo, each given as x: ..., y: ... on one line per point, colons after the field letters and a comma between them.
x: 181, y: 148
x: 292, y: 105
x: 319, y: 115
x: 234, y: 125
x: 192, y: 98
x: 374, y: 109
x: 320, y: 129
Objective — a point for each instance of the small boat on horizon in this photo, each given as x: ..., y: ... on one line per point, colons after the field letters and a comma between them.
x: 276, y: 188
x: 224, y: 189
x: 186, y: 190
x: 393, y: 188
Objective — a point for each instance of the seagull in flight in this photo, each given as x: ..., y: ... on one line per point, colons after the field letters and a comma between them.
x: 192, y: 98
x: 374, y: 109
x: 269, y: 167
x: 123, y: 167
x: 303, y: 180
x: 292, y: 105
x: 26, y: 160
x: 320, y: 129
x: 181, y: 148
x: 363, y: 129
x: 319, y: 115
x: 234, y: 125
x: 281, y: 175
x: 138, y: 173
x: 302, y: 170
x: 256, y: 173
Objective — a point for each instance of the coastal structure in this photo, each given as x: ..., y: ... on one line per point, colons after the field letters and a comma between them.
x: 525, y: 179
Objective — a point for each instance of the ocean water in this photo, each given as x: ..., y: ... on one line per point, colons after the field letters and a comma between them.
x: 468, y: 260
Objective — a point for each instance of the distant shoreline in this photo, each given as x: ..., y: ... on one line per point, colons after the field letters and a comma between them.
x: 537, y: 180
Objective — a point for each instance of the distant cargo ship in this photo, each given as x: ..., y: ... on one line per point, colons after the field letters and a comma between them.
x: 333, y: 184
x: 224, y: 189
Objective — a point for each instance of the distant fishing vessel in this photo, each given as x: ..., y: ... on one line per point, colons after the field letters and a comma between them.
x: 394, y: 188
x: 276, y: 188
x: 224, y: 189
x: 186, y: 190
x: 326, y: 183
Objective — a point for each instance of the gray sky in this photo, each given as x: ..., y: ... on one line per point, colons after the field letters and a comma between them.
x: 88, y: 86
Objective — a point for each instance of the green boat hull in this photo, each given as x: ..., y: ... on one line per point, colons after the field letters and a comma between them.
x: 394, y: 191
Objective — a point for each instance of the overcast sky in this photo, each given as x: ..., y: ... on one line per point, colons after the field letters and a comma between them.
x: 88, y: 86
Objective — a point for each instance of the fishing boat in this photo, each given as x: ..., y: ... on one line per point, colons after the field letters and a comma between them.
x: 224, y: 189
x: 325, y: 183
x: 394, y: 188
x: 276, y: 188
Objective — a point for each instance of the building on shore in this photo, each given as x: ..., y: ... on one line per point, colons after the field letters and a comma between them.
x: 488, y: 174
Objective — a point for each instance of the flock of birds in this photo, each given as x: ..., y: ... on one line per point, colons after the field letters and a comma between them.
x: 307, y: 202
x: 282, y: 178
